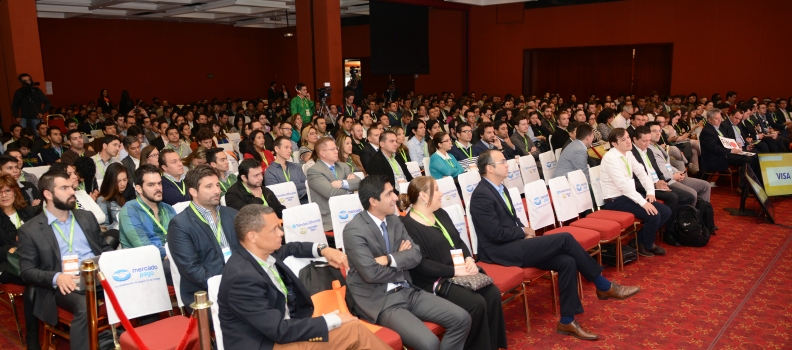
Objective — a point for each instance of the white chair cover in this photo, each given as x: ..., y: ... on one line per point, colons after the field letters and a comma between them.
x: 175, y: 276
x: 561, y: 194
x: 214, y: 288
x: 596, y: 185
x: 580, y: 189
x: 286, y: 193
x: 37, y: 170
x: 90, y: 205
x: 558, y: 153
x: 302, y: 224
x: 457, y: 216
x: 540, y: 213
x: 548, y: 162
x: 138, y: 280
x: 413, y: 168
x: 222, y: 201
x: 528, y: 169
x: 426, y: 162
x: 467, y: 183
x: 514, y: 179
x: 518, y: 206
x: 360, y: 175
x: 342, y: 210
x: 449, y: 190
x: 308, y: 191
x: 179, y: 207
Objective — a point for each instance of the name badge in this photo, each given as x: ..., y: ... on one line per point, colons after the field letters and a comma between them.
x: 307, y: 112
x: 458, y: 258
x: 226, y: 253
x: 669, y: 168
x: 71, y: 264
x: 401, y: 180
x: 654, y: 176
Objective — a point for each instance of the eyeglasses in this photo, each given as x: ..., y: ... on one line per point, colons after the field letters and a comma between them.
x: 499, y: 162
x: 6, y: 192
x: 153, y: 155
x: 465, y: 131
x: 290, y: 129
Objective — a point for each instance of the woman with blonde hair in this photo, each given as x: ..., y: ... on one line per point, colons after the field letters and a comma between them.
x: 344, y: 144
x: 431, y: 228
x: 195, y: 158
x: 402, y: 151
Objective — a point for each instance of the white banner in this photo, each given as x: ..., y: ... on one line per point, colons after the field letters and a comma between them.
x: 518, y: 206
x: 513, y: 179
x: 548, y: 162
x: 449, y: 191
x: 528, y: 169
x: 342, y: 210
x: 138, y: 280
x: 580, y: 190
x: 286, y: 193
x: 563, y: 202
x: 540, y: 213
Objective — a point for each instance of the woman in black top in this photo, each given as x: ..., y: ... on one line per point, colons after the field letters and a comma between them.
x: 15, y: 213
x: 425, y: 224
x: 104, y: 101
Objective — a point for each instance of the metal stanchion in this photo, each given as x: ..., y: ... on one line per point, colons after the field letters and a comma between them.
x: 88, y: 271
x: 201, y: 309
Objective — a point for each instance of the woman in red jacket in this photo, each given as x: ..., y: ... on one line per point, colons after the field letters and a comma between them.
x: 255, y: 150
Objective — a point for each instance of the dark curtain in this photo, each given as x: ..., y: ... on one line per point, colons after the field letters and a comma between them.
x: 377, y: 84
x: 652, y: 70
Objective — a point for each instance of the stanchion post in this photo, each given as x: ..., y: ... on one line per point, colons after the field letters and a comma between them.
x: 201, y: 309
x: 88, y: 271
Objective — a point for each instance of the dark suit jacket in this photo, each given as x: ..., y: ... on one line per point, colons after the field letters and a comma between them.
x: 367, y: 281
x: 272, y: 95
x: 129, y: 164
x: 8, y: 233
x: 638, y: 186
x: 714, y: 157
x: 194, y: 249
x: 356, y: 149
x: 479, y: 147
x: 252, y: 307
x: 560, y: 137
x: 40, y: 258
x: 366, y: 154
x: 496, y: 227
x: 159, y: 143
x: 379, y: 165
x: 237, y: 197
x: 49, y: 156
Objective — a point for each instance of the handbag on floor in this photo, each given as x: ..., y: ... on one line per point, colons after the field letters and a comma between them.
x: 609, y: 254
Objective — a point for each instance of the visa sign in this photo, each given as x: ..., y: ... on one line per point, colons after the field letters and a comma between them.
x: 779, y: 176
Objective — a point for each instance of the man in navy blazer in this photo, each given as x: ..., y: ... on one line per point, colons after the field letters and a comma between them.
x: 262, y: 303
x: 488, y: 140
x: 503, y: 240
x: 201, y: 238
x: 715, y: 157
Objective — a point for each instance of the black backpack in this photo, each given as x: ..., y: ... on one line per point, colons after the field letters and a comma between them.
x: 691, y: 230
x: 707, y: 214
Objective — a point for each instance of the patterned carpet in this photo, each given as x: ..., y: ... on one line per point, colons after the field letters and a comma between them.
x: 734, y: 293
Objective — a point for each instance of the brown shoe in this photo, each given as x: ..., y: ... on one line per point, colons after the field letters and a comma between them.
x: 574, y: 329
x: 618, y: 292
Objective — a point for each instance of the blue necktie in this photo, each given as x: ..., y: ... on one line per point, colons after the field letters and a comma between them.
x: 332, y: 168
x: 384, y: 229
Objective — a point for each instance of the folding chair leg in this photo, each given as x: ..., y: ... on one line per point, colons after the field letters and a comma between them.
x: 527, y: 314
x: 554, y: 289
x: 580, y: 286
x: 16, y: 316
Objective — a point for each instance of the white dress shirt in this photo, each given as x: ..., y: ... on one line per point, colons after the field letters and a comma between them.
x: 619, y: 122
x: 617, y: 181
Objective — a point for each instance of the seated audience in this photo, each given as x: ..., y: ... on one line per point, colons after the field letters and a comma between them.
x: 255, y: 150
x: 345, y: 154
x: 417, y: 145
x: 523, y: 138
x: 328, y: 178
x: 175, y: 143
x: 699, y: 189
x: 463, y: 149
x: 488, y: 139
x: 501, y: 129
x: 217, y: 158
x: 442, y: 164
x: 308, y: 140
x: 372, y: 146
x: 132, y: 160
x: 173, y: 186
x: 575, y: 156
x: 149, y: 155
x: 618, y: 188
x: 30, y: 193
x: 196, y: 158
x: 201, y: 238
x: 503, y: 240
x: 715, y: 157
x: 380, y: 254
x: 403, y: 151
x: 431, y: 228
x: 264, y: 305
x: 53, y: 150
x: 282, y: 170
x: 107, y: 155
x: 53, y: 270
x: 29, y: 158
x: 111, y: 194
x: 23, y: 175
x: 250, y: 189
x: 76, y: 149
x: 387, y: 163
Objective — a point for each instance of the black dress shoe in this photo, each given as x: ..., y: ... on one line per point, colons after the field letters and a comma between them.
x: 644, y: 252
x: 715, y: 228
x: 657, y: 250
x: 670, y: 240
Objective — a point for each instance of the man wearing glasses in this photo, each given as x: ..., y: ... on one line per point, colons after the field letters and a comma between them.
x: 328, y: 177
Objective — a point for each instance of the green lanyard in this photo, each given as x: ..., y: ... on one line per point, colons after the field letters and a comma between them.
x: 629, y: 171
x: 439, y: 226
x: 395, y: 166
x: 216, y: 229
x: 448, y: 160
x: 508, y: 204
x: 223, y: 186
x: 181, y: 189
x: 404, y: 155
x: 525, y: 140
x: 286, y: 174
x: 719, y: 132
x: 349, y: 162
x: 361, y: 145
x: 18, y: 222
x: 469, y: 153
x: 145, y: 209
x: 178, y: 150
x: 99, y: 165
x: 678, y: 129
x: 425, y: 149
x: 350, y: 111
x: 71, y: 233
x: 80, y: 187
x: 262, y: 195
x: 264, y: 157
x: 648, y: 163
x: 277, y: 277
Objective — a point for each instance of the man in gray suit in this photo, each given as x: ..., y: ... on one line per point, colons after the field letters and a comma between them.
x: 380, y: 254
x: 575, y: 155
x: 328, y: 178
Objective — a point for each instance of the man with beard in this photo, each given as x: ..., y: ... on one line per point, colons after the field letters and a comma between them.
x: 202, y: 237
x: 51, y: 248
x: 144, y: 221
x: 250, y: 190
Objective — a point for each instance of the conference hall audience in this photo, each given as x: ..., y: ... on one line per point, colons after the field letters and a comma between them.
x: 386, y: 162
x: 329, y: 177
x: 417, y: 144
x: 174, y: 189
x: 284, y: 170
x: 345, y: 154
x: 111, y: 194
x: 441, y: 163
x: 250, y: 189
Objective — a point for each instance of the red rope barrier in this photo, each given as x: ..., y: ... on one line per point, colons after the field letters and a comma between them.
x: 110, y: 294
x: 188, y: 334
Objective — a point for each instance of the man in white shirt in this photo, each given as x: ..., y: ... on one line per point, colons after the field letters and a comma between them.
x: 620, y: 120
x: 618, y: 189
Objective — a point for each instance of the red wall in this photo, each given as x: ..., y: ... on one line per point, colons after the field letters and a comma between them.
x: 169, y: 60
x: 718, y: 46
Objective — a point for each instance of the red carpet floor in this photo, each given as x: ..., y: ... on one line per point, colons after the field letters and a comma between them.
x: 734, y: 293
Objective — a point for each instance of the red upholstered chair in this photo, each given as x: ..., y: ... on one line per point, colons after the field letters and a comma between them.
x: 164, y: 334
x: 13, y: 291
x: 588, y: 239
x: 64, y: 323
x: 628, y: 225
x: 609, y: 231
x: 509, y: 280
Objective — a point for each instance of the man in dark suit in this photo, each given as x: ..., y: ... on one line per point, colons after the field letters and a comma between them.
x: 262, y: 303
x: 132, y: 161
x: 250, y: 189
x: 50, y: 261
x: 272, y: 93
x: 561, y: 134
x: 201, y: 238
x: 488, y: 140
x: 385, y: 163
x: 162, y: 140
x: 380, y: 255
x: 372, y: 146
x: 672, y: 197
x: 503, y: 240
x: 715, y: 157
